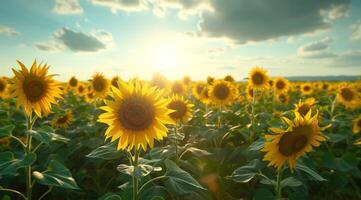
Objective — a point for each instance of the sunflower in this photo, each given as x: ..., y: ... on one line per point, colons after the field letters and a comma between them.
x: 304, y: 107
x: 73, y: 82
x: 204, y: 97
x: 187, y: 81
x: 114, y: 81
x: 136, y: 116
x: 89, y: 97
x: 3, y: 87
x: 100, y: 85
x: 222, y: 93
x: 249, y: 91
x: 210, y: 80
x: 348, y: 96
x: 357, y: 125
x: 81, y: 89
x: 283, y: 98
x: 178, y: 88
x: 198, y: 89
x: 35, y: 90
x: 229, y: 78
x: 270, y: 82
x: 258, y: 78
x: 63, y: 121
x: 182, y: 109
x: 159, y: 81
x: 306, y: 89
x: 281, y: 84
x: 299, y: 138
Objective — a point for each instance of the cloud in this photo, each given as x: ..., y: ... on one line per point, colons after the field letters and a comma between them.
x: 67, y: 7
x: 356, y: 35
x: 216, y: 50
x: 347, y: 59
x: 245, y: 21
x: 8, y: 31
x: 50, y: 46
x: 122, y: 5
x: 185, y: 7
x: 316, y: 49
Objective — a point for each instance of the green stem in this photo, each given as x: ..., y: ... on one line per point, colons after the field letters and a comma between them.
x: 13, y: 191
x: 18, y: 140
x: 206, y: 112
x: 278, y: 184
x: 135, y: 179
x: 30, y: 121
x: 219, y: 117
x: 251, y: 138
x: 46, y: 193
x: 150, y: 181
x: 176, y: 141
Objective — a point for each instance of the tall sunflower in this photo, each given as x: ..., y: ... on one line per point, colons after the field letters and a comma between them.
x: 348, y: 96
x: 100, y: 85
x: 73, y: 82
x: 306, y: 89
x: 198, y: 89
x: 63, y: 121
x: 283, y: 98
x: 81, y: 89
x: 281, y: 84
x: 136, y: 116
x: 3, y: 87
x: 258, y: 78
x: 299, y: 138
x: 357, y: 125
x: 34, y: 89
x: 303, y: 107
x: 182, y: 109
x: 222, y: 93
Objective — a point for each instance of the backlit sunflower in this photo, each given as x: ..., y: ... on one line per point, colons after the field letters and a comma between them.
x: 160, y: 81
x: 89, y: 97
x: 281, y: 84
x: 303, y: 107
x: 198, y: 89
x: 283, y: 98
x: 348, y: 96
x: 205, y: 98
x: 73, y: 82
x: 210, y: 80
x: 100, y: 85
x: 34, y: 89
x: 249, y: 91
x: 187, y: 81
x: 357, y: 125
x: 222, y: 93
x: 177, y: 88
x: 114, y: 81
x: 182, y: 109
x: 299, y: 138
x: 81, y: 89
x: 3, y: 87
x: 229, y: 78
x: 136, y: 116
x: 306, y: 89
x: 258, y: 78
x: 63, y: 121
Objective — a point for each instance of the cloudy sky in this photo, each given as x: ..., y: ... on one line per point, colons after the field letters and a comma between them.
x: 177, y: 37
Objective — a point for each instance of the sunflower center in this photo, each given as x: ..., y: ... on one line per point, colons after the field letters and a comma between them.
x: 359, y: 123
x: 325, y: 86
x: 282, y: 98
x: 136, y: 114
x: 81, y: 89
x: 258, y: 79
x: 2, y: 86
x: 303, y: 109
x: 307, y: 88
x: 73, y: 82
x: 221, y: 91
x: 347, y: 94
x: 292, y: 142
x: 180, y: 109
x: 99, y: 84
x: 62, y: 119
x: 34, y: 89
x: 114, y: 82
x: 280, y: 85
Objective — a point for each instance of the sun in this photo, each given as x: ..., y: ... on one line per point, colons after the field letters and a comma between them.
x: 167, y: 57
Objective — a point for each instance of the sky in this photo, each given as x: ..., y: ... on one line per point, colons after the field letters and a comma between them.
x: 136, y: 38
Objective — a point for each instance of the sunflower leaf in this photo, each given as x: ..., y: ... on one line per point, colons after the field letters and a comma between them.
x: 9, y: 164
x: 106, y: 152
x: 247, y: 172
x: 310, y: 172
x: 6, y: 131
x: 290, y: 182
x: 138, y: 171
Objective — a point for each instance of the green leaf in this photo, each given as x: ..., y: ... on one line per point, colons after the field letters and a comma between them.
x: 110, y: 196
x: 257, y: 145
x: 198, y: 152
x: 56, y: 175
x: 290, y: 182
x: 139, y: 171
x: 247, y: 172
x: 153, y: 192
x: 179, y: 181
x: 46, y: 134
x: 9, y: 164
x: 106, y: 152
x: 6, y: 131
x: 310, y: 172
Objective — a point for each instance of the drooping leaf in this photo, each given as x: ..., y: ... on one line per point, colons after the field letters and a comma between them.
x: 198, y: 152
x: 106, y: 152
x: 310, y: 172
x: 247, y: 172
x: 56, y: 175
x: 139, y: 171
x: 179, y: 181
x: 290, y: 182
x: 46, y: 134
x: 9, y: 164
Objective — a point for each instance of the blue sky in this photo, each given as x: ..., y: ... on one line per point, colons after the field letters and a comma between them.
x: 182, y: 37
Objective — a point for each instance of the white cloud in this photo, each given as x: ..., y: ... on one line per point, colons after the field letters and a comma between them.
x: 316, y: 49
x: 356, y: 27
x: 122, y: 5
x: 8, y: 31
x: 67, y: 7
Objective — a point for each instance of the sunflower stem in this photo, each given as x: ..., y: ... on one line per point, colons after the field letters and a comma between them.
x: 206, y: 114
x: 176, y: 141
x: 135, y: 179
x: 278, y: 184
x: 251, y: 138
x: 219, y: 117
x: 30, y: 121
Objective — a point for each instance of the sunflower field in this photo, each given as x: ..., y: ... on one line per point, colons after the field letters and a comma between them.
x: 112, y: 139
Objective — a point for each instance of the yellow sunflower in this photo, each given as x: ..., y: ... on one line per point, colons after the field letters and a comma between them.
x: 89, y: 97
x: 281, y: 84
x: 34, y: 89
x: 114, y: 81
x: 3, y: 87
x: 177, y: 88
x: 73, y: 82
x: 306, y: 89
x: 271, y: 82
x: 187, y: 81
x: 258, y: 78
x: 222, y: 93
x: 210, y: 80
x: 205, y: 98
x: 357, y: 125
x: 182, y: 109
x: 100, y: 86
x: 198, y: 89
x: 159, y: 81
x: 81, y: 89
x: 249, y: 91
x: 136, y: 116
x: 229, y: 78
x: 63, y: 121
x: 283, y: 98
x: 348, y: 96
x: 299, y: 138
x: 303, y: 107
